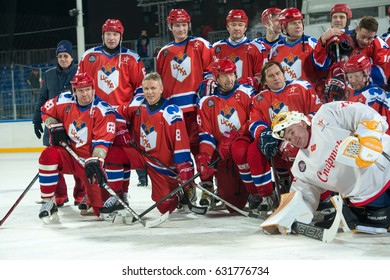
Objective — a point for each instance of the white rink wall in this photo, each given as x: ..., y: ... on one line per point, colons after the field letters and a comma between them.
x: 19, y: 136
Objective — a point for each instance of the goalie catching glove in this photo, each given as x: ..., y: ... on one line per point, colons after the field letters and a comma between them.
x: 95, y: 171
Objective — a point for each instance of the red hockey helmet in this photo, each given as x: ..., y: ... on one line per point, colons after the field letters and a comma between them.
x: 82, y: 80
x: 289, y: 14
x: 267, y: 14
x: 113, y: 25
x: 237, y: 15
x: 345, y: 42
x: 223, y: 66
x: 357, y: 63
x: 178, y: 16
x: 341, y: 8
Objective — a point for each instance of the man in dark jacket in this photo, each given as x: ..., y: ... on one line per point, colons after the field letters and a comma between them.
x: 54, y: 81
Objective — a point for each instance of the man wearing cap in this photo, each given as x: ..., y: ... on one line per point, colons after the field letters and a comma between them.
x: 55, y: 81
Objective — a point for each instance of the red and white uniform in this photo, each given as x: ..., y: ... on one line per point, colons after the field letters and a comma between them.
x: 315, y: 169
x: 88, y: 128
x: 298, y: 96
x: 117, y: 76
x: 183, y: 67
x: 258, y: 55
x: 219, y: 113
x: 160, y: 133
x: 298, y: 63
x: 372, y: 96
x: 237, y: 53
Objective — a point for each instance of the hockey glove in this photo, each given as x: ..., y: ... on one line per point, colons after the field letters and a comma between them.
x: 225, y: 146
x: 267, y: 144
x: 335, y: 88
x: 202, y: 162
x: 38, y: 129
x: 251, y: 81
x: 57, y: 134
x: 185, y: 170
x: 122, y: 138
x: 94, y: 171
x: 206, y: 88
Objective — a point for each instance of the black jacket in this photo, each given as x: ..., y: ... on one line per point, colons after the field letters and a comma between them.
x: 55, y: 81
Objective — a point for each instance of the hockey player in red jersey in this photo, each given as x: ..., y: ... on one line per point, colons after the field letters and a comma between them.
x: 270, y: 20
x: 159, y: 129
x: 326, y: 161
x: 280, y: 96
x: 87, y: 124
x: 235, y: 47
x: 361, y: 89
x: 223, y: 126
x: 183, y: 64
x: 118, y: 71
x: 299, y: 54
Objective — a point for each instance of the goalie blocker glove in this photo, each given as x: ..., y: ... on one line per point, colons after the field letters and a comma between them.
x: 57, y: 134
x: 95, y: 172
x: 268, y: 145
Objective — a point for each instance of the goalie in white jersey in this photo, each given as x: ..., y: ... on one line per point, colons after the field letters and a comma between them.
x: 343, y: 149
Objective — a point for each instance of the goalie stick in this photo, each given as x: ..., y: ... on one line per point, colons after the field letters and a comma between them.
x: 137, y: 217
x: 319, y: 233
x: 173, y: 192
x: 19, y: 199
x: 193, y: 208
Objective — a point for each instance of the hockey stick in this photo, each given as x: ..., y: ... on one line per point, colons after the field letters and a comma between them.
x: 175, y: 190
x: 19, y: 199
x: 147, y: 224
x: 277, y: 182
x: 249, y: 214
x: 196, y: 209
x: 319, y: 233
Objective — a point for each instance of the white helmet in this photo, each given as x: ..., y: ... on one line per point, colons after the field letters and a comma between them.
x: 283, y: 120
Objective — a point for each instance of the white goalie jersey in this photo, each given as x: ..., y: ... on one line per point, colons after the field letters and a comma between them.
x: 316, y: 169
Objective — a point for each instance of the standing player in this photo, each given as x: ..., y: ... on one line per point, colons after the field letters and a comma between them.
x: 118, y: 71
x: 270, y: 20
x: 183, y: 64
x: 223, y: 126
x: 280, y: 96
x: 159, y: 129
x: 324, y: 163
x: 299, y: 54
x: 87, y: 124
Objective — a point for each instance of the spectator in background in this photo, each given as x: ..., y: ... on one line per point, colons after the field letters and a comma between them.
x: 33, y: 80
x: 142, y: 44
x: 55, y: 81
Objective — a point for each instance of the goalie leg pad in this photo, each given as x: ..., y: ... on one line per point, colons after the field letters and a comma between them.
x: 292, y: 208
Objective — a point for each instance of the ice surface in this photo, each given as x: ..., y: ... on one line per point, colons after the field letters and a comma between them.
x: 184, y: 236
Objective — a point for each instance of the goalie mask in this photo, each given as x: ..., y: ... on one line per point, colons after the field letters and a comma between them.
x: 283, y: 120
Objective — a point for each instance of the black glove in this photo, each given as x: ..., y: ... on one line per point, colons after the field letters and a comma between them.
x: 268, y: 145
x: 38, y: 129
x: 95, y: 171
x: 57, y: 134
x: 335, y: 88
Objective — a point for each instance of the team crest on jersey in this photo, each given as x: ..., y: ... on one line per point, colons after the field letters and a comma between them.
x: 292, y: 67
x: 228, y: 119
x: 92, y: 58
x: 67, y: 109
x: 78, y: 132
x: 217, y: 49
x: 108, y: 78
x: 259, y: 97
x: 302, y: 166
x: 210, y: 102
x: 148, y: 136
x: 181, y: 66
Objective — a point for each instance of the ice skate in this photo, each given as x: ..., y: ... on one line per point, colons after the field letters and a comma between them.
x: 112, y: 208
x: 61, y: 200
x: 49, y: 212
x: 205, y: 198
x: 85, y: 209
x: 254, y: 201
